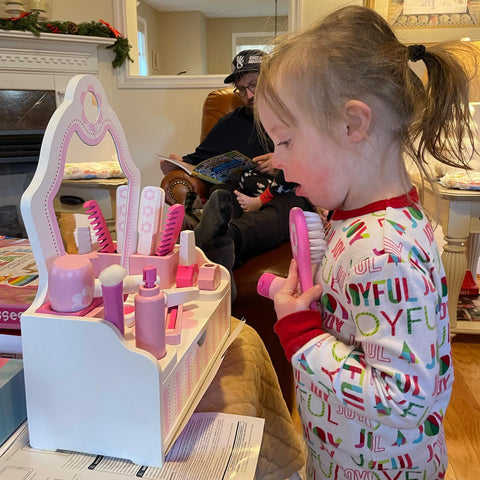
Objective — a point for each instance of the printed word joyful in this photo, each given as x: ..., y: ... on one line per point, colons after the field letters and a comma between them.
x: 373, y: 293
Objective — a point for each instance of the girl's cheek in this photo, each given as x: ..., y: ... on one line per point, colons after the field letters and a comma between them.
x: 275, y: 161
x: 278, y: 160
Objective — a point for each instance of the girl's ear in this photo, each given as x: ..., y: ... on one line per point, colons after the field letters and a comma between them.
x: 358, y: 116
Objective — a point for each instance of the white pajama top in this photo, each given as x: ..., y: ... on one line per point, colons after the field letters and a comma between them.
x: 373, y: 369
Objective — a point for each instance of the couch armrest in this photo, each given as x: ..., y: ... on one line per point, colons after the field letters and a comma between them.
x: 177, y: 183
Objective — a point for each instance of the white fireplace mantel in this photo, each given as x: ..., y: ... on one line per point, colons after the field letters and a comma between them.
x: 49, y: 53
x: 48, y: 61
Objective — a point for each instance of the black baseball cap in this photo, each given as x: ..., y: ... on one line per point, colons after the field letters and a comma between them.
x: 245, y: 61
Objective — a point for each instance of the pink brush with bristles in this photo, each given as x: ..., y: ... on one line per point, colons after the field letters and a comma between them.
x: 301, y: 247
x: 97, y: 221
x: 307, y: 239
x: 171, y: 229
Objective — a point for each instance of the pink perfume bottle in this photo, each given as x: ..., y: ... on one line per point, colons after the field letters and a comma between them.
x: 150, y: 315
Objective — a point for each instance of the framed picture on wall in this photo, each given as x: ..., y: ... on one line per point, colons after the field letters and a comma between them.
x: 428, y: 13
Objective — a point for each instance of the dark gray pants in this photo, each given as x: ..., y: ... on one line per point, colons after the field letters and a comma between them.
x: 257, y: 232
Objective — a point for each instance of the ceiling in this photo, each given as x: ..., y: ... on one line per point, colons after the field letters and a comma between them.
x: 223, y: 8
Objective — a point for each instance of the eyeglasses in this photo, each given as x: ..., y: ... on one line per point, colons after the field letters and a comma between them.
x: 242, y: 91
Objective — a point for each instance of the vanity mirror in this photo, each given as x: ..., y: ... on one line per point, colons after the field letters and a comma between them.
x: 125, y: 13
x: 83, y: 127
x: 92, y: 173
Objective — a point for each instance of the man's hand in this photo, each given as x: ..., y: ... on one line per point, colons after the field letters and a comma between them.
x: 176, y: 157
x: 289, y: 299
x: 264, y: 163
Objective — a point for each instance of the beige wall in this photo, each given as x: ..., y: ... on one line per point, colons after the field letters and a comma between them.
x: 219, y: 37
x: 314, y: 9
x: 182, y: 43
x: 81, y: 11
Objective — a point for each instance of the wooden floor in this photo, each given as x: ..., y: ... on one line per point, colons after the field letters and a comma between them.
x: 462, y: 422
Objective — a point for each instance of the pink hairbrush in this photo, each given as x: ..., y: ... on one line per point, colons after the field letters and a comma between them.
x: 301, y: 248
x: 171, y: 229
x: 97, y: 221
x: 307, y: 239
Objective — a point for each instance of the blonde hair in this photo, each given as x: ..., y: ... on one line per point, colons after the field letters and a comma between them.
x: 354, y: 54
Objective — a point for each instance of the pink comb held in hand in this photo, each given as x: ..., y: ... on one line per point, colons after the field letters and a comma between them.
x: 171, y: 229
x: 97, y: 221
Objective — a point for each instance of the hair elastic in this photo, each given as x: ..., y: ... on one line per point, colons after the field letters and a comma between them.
x: 416, y: 52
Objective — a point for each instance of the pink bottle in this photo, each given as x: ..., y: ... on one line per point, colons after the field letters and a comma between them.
x: 150, y: 315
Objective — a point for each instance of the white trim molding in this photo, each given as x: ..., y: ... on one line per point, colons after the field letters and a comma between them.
x: 46, y: 62
x: 49, y: 53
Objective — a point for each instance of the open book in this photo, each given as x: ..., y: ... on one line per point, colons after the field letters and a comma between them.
x: 218, y: 169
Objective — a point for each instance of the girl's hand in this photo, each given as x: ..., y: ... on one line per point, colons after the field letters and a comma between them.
x: 323, y: 213
x: 289, y: 299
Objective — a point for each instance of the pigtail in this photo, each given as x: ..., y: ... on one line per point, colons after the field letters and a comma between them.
x: 443, y: 127
x: 353, y: 53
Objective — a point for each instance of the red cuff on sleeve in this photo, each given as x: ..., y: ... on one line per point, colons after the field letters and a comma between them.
x: 266, y: 196
x: 298, y: 328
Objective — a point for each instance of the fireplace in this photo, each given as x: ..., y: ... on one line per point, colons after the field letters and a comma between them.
x: 34, y: 72
x: 25, y: 115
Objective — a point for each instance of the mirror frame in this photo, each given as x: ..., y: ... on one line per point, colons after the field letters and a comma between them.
x: 125, y: 80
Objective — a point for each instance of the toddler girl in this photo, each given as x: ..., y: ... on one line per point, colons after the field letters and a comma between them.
x: 373, y: 365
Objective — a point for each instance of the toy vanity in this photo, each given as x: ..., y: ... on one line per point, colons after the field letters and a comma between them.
x: 92, y: 384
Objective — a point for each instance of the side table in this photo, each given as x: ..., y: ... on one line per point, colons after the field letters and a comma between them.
x: 458, y: 212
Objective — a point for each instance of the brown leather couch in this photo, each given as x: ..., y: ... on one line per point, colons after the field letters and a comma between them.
x: 257, y: 311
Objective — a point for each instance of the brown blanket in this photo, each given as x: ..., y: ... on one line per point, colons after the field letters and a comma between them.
x: 246, y: 384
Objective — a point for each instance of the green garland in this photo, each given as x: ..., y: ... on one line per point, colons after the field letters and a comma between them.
x: 29, y: 22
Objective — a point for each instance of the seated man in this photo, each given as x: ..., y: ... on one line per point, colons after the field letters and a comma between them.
x: 237, y: 130
x: 231, y: 241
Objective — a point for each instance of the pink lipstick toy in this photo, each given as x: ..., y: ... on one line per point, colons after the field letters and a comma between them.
x: 112, y: 289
